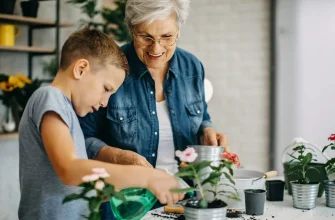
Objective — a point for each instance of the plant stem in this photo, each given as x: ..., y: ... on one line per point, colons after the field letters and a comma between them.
x: 198, y: 182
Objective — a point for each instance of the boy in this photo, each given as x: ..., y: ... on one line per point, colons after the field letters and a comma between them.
x: 53, y: 156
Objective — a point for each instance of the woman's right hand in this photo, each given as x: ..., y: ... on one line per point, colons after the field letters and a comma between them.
x: 160, y: 183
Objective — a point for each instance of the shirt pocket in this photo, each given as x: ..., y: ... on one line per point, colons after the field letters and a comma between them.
x: 123, y: 122
x: 195, y: 113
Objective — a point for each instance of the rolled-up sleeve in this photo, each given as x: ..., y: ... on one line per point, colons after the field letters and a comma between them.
x: 89, y: 124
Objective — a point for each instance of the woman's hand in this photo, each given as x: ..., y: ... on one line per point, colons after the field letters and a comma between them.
x: 160, y: 183
x: 211, y: 137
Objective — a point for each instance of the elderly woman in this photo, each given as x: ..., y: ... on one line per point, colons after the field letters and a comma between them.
x: 160, y: 108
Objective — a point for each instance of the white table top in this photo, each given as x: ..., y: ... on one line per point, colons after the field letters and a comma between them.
x: 273, y: 211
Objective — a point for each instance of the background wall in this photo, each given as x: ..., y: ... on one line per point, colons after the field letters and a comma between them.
x: 231, y: 39
x: 305, y: 75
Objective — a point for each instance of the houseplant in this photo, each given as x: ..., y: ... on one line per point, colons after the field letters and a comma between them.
x: 316, y: 174
x: 29, y: 8
x: 304, y: 191
x: 194, y: 170
x: 111, y: 22
x: 16, y: 91
x: 95, y: 191
x: 330, y: 168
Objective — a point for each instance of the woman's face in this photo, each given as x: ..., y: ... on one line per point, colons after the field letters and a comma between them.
x: 152, y: 54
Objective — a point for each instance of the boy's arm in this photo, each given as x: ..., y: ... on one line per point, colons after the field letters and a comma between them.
x: 58, y: 143
x: 99, y: 150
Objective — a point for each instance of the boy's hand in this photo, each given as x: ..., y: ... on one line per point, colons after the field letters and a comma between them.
x: 128, y: 157
x: 160, y: 183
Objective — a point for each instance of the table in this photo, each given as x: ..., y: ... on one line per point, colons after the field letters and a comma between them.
x: 273, y: 211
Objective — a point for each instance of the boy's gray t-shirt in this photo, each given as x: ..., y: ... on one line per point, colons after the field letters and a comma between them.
x: 42, y: 192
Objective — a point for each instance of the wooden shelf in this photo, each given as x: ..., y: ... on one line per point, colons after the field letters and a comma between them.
x: 36, y: 22
x: 36, y: 50
x: 6, y: 136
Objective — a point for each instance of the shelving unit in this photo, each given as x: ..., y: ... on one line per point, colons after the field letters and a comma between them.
x: 35, y: 23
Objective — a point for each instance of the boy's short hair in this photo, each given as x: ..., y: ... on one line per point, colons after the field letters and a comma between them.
x: 95, y: 46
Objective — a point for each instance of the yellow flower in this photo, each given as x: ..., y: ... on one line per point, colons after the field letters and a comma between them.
x: 5, y: 86
x: 23, y: 78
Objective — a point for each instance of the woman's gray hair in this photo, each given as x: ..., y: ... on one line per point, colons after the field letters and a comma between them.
x: 138, y: 11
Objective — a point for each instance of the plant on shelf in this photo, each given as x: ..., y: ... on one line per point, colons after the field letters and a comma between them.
x: 50, y: 67
x: 197, y: 171
x: 16, y: 91
x: 113, y: 19
x: 304, y: 191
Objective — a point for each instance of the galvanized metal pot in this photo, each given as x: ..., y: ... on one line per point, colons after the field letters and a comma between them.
x: 304, y: 195
x: 330, y: 193
x: 205, y: 214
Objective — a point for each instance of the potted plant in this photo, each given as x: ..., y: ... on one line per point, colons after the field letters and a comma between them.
x: 316, y: 174
x: 303, y: 190
x: 95, y: 191
x: 16, y: 90
x: 7, y: 6
x: 330, y: 168
x: 29, y: 8
x: 201, y: 207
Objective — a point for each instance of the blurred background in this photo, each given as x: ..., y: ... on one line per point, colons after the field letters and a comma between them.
x: 271, y: 65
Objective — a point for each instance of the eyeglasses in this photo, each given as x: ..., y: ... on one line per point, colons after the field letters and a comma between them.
x: 163, y: 41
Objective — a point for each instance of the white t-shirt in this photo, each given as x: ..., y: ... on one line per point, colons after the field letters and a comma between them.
x: 166, y: 150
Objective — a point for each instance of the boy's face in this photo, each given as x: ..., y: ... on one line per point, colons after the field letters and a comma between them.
x: 94, y: 88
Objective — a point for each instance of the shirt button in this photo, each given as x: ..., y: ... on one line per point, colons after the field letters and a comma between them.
x: 151, y: 92
x: 172, y: 111
x: 153, y: 155
x: 121, y: 118
x: 198, y: 111
x: 153, y: 112
x: 155, y: 133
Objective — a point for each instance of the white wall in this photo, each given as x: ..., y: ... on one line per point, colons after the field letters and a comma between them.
x: 305, y: 72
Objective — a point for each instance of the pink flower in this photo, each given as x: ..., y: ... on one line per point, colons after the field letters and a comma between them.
x: 188, y: 155
x: 101, y: 172
x: 331, y: 137
x: 231, y: 157
x: 91, y: 177
x: 99, y: 185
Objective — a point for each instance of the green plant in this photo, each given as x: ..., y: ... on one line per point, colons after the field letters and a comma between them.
x: 50, y: 67
x: 330, y: 165
x: 195, y: 171
x: 300, y: 162
x: 113, y: 19
x: 101, y: 191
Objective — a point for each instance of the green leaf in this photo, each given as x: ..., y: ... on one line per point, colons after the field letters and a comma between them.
x: 71, y: 197
x: 202, y: 203
x: 94, y: 204
x: 312, y: 168
x: 185, y: 190
x: 213, y: 178
x: 325, y: 147
x: 229, y: 178
x: 307, y: 159
x: 226, y: 184
x: 201, y: 165
x: 182, y: 173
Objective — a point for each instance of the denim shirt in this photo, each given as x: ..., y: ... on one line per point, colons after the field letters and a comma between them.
x: 130, y: 121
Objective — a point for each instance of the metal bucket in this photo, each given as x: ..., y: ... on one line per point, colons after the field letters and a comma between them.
x: 211, y: 153
x: 330, y: 193
x: 205, y: 214
x: 304, y: 195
